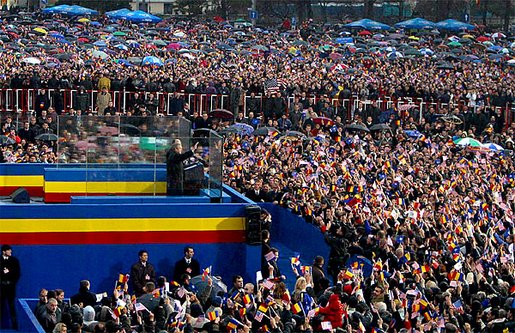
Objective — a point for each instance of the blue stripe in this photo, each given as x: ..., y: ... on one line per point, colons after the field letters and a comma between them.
x: 179, y: 210
x: 103, y: 175
x: 34, y: 169
x: 103, y: 200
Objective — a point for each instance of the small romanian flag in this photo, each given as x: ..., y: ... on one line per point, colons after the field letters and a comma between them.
x: 233, y: 323
x: 212, y: 315
x: 296, y: 308
x: 247, y: 299
x: 263, y: 308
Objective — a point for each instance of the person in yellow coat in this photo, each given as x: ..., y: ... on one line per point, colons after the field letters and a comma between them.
x: 104, y: 82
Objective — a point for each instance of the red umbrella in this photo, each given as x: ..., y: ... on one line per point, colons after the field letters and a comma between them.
x: 174, y: 46
x: 221, y: 113
x: 364, y: 33
x: 84, y: 145
x: 108, y: 130
x: 83, y: 40
x: 335, y: 56
x: 482, y: 39
x: 324, y: 121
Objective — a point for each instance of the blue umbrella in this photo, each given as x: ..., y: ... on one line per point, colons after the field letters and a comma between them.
x: 139, y: 16
x: 413, y: 133
x: 368, y: 24
x: 344, y: 40
x: 121, y: 47
x: 151, y: 61
x: 416, y: 23
x: 243, y: 129
x: 134, y: 44
x: 79, y: 11
x: 56, y: 35
x: 100, y: 43
x: 361, y: 263
x: 56, y: 9
x: 454, y: 25
x: 124, y: 62
x: 118, y: 14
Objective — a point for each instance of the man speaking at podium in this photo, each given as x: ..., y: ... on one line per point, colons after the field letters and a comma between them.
x: 175, y: 167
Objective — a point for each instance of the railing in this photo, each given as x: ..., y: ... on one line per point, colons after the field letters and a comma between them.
x: 25, y: 100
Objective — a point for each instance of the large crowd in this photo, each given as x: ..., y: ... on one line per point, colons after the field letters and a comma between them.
x: 419, y: 221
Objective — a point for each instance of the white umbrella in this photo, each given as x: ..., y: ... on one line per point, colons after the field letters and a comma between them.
x: 99, y: 54
x: 492, y: 146
x: 498, y: 35
x: 31, y: 60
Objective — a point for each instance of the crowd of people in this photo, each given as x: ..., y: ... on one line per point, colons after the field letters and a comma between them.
x: 419, y: 221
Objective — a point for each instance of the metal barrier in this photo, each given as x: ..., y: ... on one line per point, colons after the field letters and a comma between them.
x: 24, y: 100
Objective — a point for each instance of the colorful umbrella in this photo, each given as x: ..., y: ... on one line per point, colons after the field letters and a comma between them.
x: 468, y: 142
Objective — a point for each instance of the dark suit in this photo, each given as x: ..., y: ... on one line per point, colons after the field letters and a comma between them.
x: 182, y: 267
x: 175, y: 171
x: 8, y: 280
x: 140, y: 275
x: 85, y: 297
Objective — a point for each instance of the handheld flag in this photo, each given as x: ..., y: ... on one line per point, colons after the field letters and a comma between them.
x: 206, y: 273
x: 326, y: 326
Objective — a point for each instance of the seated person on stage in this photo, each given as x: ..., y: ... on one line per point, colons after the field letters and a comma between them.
x: 175, y: 168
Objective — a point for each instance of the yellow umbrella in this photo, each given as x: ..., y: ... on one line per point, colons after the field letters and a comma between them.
x: 292, y: 50
x: 41, y: 30
x: 414, y: 38
x: 83, y: 20
x: 468, y: 36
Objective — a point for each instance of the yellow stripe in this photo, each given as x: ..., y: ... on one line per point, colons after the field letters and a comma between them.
x: 21, y: 181
x: 122, y: 224
x: 105, y: 187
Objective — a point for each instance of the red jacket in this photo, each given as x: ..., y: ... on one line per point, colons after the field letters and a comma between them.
x: 333, y: 312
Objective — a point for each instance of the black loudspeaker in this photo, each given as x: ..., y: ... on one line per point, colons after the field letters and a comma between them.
x: 20, y: 196
x: 253, y: 225
x: 193, y: 178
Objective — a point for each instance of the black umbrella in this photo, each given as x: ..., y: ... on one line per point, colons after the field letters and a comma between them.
x: 228, y: 130
x: 380, y: 127
x: 47, y: 137
x: 445, y: 65
x: 357, y: 127
x: 129, y: 129
x: 218, y: 285
x: 5, y: 140
x: 265, y: 131
x: 295, y: 135
x: 221, y: 113
x: 203, y: 133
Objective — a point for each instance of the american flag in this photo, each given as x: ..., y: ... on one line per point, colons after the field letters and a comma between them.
x: 273, y: 85
x: 259, y: 316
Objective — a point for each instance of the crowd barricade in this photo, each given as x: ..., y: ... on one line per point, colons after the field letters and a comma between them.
x: 24, y: 100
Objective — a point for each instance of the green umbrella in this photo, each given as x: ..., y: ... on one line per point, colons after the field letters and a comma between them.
x: 414, y: 52
x: 160, y: 42
x: 152, y: 143
x: 468, y: 142
x: 455, y: 44
x: 300, y: 43
x: 119, y: 33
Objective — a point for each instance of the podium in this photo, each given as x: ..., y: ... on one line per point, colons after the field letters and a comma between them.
x: 193, y: 178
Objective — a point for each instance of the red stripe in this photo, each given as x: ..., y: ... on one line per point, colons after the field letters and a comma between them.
x: 124, y: 237
x: 66, y: 197
x: 35, y: 191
